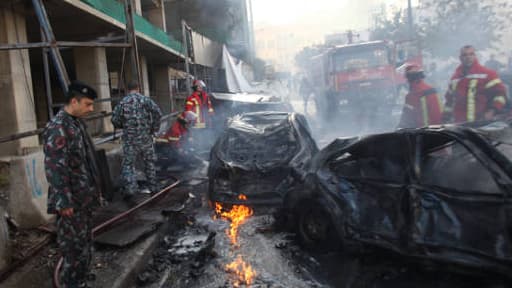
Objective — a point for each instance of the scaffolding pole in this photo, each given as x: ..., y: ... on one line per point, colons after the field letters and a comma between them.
x: 132, y: 39
x: 49, y: 37
x: 185, y: 52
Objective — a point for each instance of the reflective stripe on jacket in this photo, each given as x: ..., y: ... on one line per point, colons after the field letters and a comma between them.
x: 422, y: 106
x: 200, y: 104
x: 474, y: 92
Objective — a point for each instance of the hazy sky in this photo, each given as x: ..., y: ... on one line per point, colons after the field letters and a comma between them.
x: 348, y: 12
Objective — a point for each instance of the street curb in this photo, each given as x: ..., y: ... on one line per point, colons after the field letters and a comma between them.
x: 135, y: 260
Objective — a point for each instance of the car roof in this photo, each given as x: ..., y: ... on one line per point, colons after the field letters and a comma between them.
x: 488, y: 130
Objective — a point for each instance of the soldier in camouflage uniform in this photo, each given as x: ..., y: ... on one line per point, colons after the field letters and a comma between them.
x: 139, y: 117
x: 74, y: 182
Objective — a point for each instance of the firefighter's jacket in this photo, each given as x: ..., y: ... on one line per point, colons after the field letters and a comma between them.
x: 177, y: 134
x: 474, y: 92
x: 422, y: 106
x: 200, y: 103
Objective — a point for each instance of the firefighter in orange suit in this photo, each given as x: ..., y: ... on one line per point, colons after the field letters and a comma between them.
x: 199, y: 102
x: 422, y: 104
x: 475, y: 92
x: 178, y: 134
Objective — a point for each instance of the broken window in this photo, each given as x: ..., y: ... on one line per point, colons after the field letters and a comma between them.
x: 447, y: 163
x: 374, y: 159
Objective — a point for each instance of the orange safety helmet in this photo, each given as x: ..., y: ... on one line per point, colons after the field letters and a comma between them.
x: 414, y: 72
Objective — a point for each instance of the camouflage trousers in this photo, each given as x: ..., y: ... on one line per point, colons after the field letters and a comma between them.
x: 147, y: 155
x: 74, y: 237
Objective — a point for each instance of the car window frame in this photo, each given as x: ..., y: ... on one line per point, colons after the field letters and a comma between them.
x: 375, y: 138
x: 490, y: 170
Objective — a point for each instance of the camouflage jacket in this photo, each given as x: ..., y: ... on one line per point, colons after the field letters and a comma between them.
x: 70, y: 164
x: 139, y: 117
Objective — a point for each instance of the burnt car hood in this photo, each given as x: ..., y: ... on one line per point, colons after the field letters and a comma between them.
x: 258, y: 155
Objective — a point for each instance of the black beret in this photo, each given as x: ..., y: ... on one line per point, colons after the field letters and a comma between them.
x: 79, y: 88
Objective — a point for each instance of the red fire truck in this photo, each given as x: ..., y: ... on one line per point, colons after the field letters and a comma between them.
x: 364, y: 78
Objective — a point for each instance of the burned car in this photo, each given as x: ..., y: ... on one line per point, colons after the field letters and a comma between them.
x: 228, y: 105
x: 258, y: 155
x: 439, y: 193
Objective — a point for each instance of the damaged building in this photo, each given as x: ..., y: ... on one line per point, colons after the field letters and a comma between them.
x: 44, y: 44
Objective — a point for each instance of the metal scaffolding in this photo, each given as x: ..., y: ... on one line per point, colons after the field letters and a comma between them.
x: 51, y: 47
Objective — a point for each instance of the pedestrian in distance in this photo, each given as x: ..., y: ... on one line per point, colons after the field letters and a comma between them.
x: 74, y: 182
x: 475, y: 92
x: 139, y: 117
x: 305, y: 90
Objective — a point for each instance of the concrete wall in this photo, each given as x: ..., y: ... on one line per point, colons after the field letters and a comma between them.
x: 28, y: 191
x: 161, y: 88
x: 91, y: 68
x: 17, y: 112
x: 155, y: 13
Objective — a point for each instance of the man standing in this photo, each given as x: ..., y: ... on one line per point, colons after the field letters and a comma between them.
x: 475, y: 92
x: 422, y: 105
x: 139, y: 117
x: 74, y: 181
x: 305, y: 91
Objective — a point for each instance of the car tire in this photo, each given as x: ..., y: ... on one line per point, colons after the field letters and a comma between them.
x: 315, y: 228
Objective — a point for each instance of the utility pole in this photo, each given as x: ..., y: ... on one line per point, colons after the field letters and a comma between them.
x: 409, y: 18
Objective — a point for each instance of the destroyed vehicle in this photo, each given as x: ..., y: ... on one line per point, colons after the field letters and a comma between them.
x: 257, y: 156
x: 440, y: 193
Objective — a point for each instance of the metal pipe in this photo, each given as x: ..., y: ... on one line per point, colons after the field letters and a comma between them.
x: 62, y: 44
x: 47, y: 81
x: 54, y: 50
x: 92, y: 44
x: 17, y: 136
x: 132, y: 39
x: 101, y: 227
x: 185, y: 52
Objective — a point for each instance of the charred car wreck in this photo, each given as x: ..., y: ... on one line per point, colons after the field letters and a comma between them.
x: 228, y: 105
x: 258, y: 155
x: 440, y: 193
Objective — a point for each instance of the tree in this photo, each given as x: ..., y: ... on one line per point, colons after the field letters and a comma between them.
x: 395, y: 29
x: 448, y: 25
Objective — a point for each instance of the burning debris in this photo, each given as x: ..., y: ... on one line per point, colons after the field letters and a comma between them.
x: 237, y: 215
x: 242, y: 270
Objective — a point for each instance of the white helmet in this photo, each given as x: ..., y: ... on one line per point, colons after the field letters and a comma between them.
x: 189, y: 116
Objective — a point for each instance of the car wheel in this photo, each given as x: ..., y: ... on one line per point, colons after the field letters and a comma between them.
x: 315, y: 228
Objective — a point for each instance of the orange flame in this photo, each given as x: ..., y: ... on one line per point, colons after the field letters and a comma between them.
x: 237, y: 216
x: 244, y: 272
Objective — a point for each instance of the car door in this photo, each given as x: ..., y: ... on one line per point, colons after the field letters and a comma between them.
x: 457, y: 206
x: 380, y: 188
